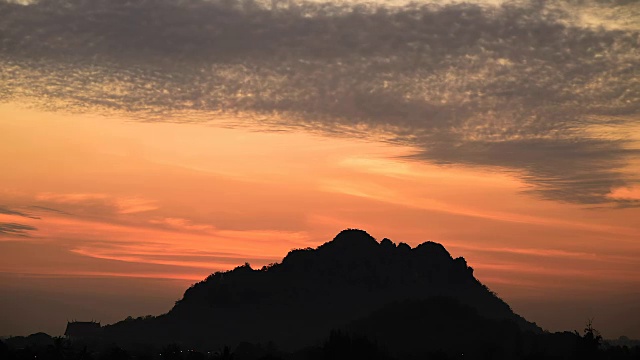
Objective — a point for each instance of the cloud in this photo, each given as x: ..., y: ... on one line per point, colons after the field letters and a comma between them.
x: 98, y: 203
x: 193, y: 246
x: 181, y: 224
x: 7, y: 211
x: 46, y: 209
x: 11, y: 229
x: 200, y: 260
x: 15, y: 229
x: 388, y: 195
x: 72, y: 198
x: 516, y: 87
x: 131, y: 205
x: 626, y: 193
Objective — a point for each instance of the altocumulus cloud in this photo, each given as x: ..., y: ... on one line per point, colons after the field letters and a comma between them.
x: 519, y: 86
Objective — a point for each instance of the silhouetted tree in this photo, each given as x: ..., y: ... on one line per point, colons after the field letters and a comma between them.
x: 589, y: 344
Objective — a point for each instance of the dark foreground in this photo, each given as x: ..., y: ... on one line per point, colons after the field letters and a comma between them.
x: 337, y: 345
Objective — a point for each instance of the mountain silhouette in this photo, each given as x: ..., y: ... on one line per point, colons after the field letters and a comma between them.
x: 419, y: 329
x: 297, y: 302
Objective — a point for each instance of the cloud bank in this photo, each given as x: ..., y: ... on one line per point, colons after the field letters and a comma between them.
x: 520, y: 86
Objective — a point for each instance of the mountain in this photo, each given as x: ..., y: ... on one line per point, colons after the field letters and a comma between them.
x: 426, y: 328
x: 297, y: 302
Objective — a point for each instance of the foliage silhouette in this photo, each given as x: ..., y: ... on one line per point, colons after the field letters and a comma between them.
x: 588, y: 345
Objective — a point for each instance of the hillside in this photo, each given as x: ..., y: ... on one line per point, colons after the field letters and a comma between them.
x: 298, y: 301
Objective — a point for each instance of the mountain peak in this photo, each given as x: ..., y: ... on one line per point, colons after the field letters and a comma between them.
x: 432, y: 249
x: 353, y: 246
x: 353, y: 233
x: 351, y: 239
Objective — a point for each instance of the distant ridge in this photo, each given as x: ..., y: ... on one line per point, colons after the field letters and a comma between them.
x: 298, y: 301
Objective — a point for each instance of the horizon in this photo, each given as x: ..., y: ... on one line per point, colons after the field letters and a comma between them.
x: 146, y: 145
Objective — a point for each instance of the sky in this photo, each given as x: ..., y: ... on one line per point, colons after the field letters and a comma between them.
x: 146, y: 144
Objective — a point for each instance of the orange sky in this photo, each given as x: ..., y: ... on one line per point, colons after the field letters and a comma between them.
x: 158, y: 206
x: 121, y: 206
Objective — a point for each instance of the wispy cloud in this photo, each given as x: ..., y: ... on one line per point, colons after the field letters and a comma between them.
x: 73, y: 198
x: 626, y: 193
x: 98, y: 202
x: 11, y: 228
x: 8, y: 211
x: 38, y: 208
x: 181, y: 224
x: 106, y: 274
x: 393, y: 196
x: 171, y: 242
x: 15, y: 229
x: 514, y: 86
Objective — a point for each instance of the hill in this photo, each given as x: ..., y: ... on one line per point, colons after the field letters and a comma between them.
x: 297, y: 302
